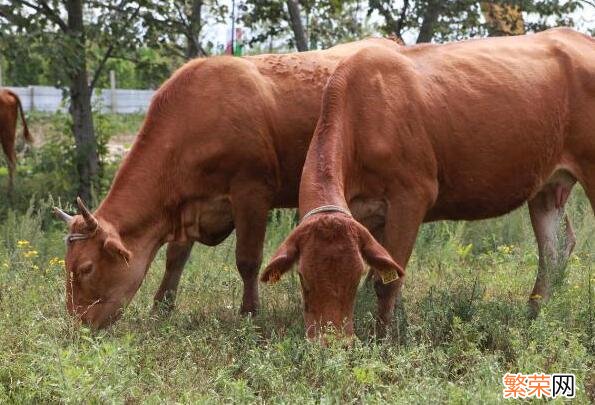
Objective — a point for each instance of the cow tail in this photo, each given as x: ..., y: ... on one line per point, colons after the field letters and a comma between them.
x: 26, y: 133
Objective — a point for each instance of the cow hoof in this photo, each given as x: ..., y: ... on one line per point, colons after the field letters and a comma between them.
x: 162, y: 308
x: 249, y: 311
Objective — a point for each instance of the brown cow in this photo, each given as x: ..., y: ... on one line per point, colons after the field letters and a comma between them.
x: 224, y: 141
x: 462, y: 131
x: 10, y: 106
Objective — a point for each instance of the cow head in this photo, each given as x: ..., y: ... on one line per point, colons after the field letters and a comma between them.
x: 331, y: 249
x: 99, y: 278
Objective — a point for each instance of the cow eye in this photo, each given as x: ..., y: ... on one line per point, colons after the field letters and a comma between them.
x: 85, y: 268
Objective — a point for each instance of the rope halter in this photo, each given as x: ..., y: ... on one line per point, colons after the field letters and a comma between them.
x: 326, y: 208
x: 72, y: 237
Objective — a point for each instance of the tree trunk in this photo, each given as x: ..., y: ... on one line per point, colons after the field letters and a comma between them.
x: 426, y: 31
x: 193, y: 48
x: 295, y: 20
x: 80, y: 104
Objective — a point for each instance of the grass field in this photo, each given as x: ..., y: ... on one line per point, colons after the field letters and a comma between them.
x: 465, y: 306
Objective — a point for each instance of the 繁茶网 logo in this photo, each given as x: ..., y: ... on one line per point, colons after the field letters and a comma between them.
x: 519, y: 386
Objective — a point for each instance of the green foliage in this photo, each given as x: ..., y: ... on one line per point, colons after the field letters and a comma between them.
x: 154, y: 38
x: 270, y: 18
x: 56, y: 157
x: 327, y: 22
x: 50, y: 166
x: 145, y: 70
x: 331, y: 22
x: 461, y: 19
x: 27, y: 59
x: 551, y: 13
x: 176, y: 27
x: 38, y: 28
x: 22, y: 63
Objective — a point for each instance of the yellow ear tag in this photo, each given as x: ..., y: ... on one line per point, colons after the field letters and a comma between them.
x: 388, y: 276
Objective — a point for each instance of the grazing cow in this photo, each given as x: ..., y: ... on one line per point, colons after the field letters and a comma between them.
x: 461, y: 131
x: 224, y: 141
x: 10, y: 106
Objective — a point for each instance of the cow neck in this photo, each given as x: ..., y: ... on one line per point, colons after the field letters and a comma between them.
x: 323, y: 180
x: 135, y: 203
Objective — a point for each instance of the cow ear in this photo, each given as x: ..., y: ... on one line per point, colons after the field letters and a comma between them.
x: 379, y: 259
x: 115, y: 246
x: 282, y: 261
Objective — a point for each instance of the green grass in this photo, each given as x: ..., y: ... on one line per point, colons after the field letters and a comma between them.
x: 465, y: 305
x: 465, y: 310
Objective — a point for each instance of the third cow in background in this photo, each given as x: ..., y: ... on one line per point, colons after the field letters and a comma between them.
x: 10, y: 107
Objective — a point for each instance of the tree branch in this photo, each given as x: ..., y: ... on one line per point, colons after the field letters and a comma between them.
x: 118, y: 8
x: 166, y: 23
x: 100, y: 67
x: 394, y: 26
x: 176, y: 50
x: 5, y: 12
x: 590, y: 3
x: 46, y: 10
x: 181, y: 15
x: 111, y: 48
x: 53, y: 15
x: 401, y: 22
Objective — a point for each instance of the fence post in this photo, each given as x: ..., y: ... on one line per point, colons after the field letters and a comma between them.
x: 113, y: 98
x: 32, y: 97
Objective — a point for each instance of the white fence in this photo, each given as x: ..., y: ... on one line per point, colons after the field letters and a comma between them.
x: 50, y: 99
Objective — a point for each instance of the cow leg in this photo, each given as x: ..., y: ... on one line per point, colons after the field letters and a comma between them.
x: 403, y: 220
x: 570, y: 240
x: 547, y: 211
x: 11, y: 170
x: 11, y: 157
x: 589, y: 187
x: 250, y: 209
x: 378, y: 233
x: 176, y: 258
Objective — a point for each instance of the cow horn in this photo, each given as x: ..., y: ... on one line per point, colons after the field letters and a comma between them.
x: 87, y: 215
x: 62, y: 215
